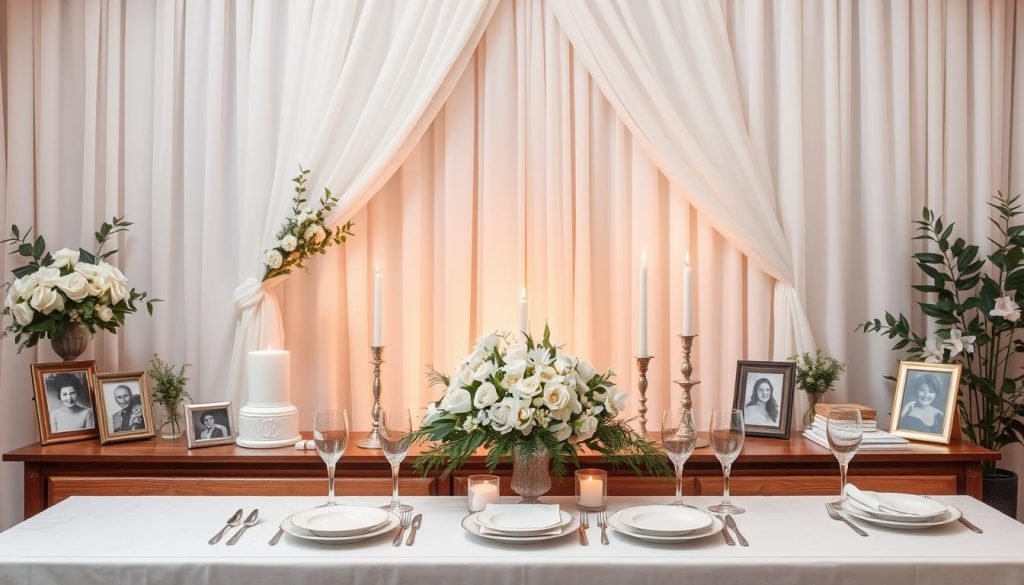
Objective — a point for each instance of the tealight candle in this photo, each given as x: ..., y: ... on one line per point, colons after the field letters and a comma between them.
x: 591, y: 489
x: 483, y: 490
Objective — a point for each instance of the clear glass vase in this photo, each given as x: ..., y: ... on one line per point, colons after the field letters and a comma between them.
x: 531, y: 477
x: 173, y: 420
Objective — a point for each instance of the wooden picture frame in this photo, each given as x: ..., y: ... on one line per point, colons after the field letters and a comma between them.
x: 765, y: 418
x: 65, y: 401
x: 125, y: 407
x: 209, y: 424
x: 924, y: 406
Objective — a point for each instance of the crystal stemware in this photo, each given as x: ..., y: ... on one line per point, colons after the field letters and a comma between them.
x: 844, y: 432
x: 679, y: 436
x: 395, y: 438
x: 727, y: 441
x: 330, y: 433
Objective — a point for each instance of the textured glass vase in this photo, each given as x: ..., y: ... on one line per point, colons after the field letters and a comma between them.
x: 531, y: 477
x: 173, y: 418
x: 71, y: 342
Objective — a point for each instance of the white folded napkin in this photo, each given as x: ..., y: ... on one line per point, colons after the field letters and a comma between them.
x: 909, y: 505
x: 551, y: 531
x: 523, y: 517
x: 863, y: 498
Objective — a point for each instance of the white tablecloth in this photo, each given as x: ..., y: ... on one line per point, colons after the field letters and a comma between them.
x: 157, y: 540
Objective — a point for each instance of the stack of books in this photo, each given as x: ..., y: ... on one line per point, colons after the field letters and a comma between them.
x: 873, y: 438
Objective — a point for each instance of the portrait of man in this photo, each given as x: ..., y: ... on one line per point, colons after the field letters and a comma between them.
x: 210, y: 424
x: 124, y: 402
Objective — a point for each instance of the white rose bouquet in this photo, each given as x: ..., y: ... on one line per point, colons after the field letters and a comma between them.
x: 68, y: 287
x: 305, y: 233
x: 534, y: 396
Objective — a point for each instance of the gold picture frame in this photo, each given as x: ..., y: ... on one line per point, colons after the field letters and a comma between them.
x: 125, y: 407
x: 60, y: 422
x: 221, y: 430
x: 932, y: 392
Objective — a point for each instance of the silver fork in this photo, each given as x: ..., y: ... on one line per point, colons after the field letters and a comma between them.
x: 280, y: 531
x: 836, y: 515
x: 602, y: 521
x: 583, y: 529
x: 406, y: 520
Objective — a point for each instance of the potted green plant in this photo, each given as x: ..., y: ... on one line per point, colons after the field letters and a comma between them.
x: 816, y: 374
x: 974, y: 300
x: 169, y: 392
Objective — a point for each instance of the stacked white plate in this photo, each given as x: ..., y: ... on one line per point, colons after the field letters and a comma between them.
x: 897, y: 510
x: 520, y: 523
x: 340, y: 524
x: 665, y: 524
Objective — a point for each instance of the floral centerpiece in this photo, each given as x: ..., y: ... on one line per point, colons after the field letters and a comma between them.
x: 305, y: 233
x: 69, y: 294
x: 816, y: 374
x: 169, y: 392
x: 535, y: 402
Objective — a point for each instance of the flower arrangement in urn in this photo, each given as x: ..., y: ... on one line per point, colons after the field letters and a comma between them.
x: 535, y: 402
x: 68, y: 295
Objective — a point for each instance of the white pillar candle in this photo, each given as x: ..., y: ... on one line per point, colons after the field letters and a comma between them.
x: 523, y: 324
x: 482, y: 494
x: 378, y: 286
x: 687, y: 297
x: 267, y: 373
x: 591, y: 492
x: 643, y: 304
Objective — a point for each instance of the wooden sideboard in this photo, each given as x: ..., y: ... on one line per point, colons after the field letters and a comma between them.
x: 766, y: 467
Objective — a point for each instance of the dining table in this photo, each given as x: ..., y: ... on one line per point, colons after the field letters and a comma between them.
x: 153, y: 540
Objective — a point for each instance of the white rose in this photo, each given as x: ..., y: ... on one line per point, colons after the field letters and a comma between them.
x: 22, y: 288
x: 514, y: 368
x: 105, y: 313
x: 556, y: 396
x: 485, y: 396
x: 288, y: 243
x: 111, y: 279
x: 587, y: 427
x: 463, y: 376
x: 273, y: 259
x: 561, y: 430
x: 457, y: 401
x: 524, y: 416
x: 615, y: 401
x: 487, y: 343
x: 433, y: 413
x: 74, y: 285
x: 46, y: 300
x: 516, y: 353
x: 65, y: 257
x: 302, y: 217
x: 23, y: 314
x: 585, y: 371
x: 483, y: 371
x: 47, y: 276
x: 526, y: 388
x: 314, y: 233
x: 502, y: 415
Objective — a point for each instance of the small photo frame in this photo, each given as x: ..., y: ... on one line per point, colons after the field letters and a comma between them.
x: 764, y: 392
x: 209, y: 424
x: 64, y: 401
x: 925, y: 403
x: 125, y: 407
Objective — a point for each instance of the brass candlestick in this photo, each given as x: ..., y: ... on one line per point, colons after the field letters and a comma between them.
x: 686, y: 402
x: 373, y: 440
x: 641, y: 364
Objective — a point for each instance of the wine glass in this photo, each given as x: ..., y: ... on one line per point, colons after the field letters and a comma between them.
x: 330, y: 433
x: 679, y: 436
x: 727, y: 441
x: 395, y: 438
x: 844, y: 432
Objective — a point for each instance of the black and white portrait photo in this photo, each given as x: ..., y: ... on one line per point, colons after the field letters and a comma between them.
x: 64, y: 401
x: 126, y: 407
x: 925, y: 399
x: 764, y: 392
x: 210, y: 424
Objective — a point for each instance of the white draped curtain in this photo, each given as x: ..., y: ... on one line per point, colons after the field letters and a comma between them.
x: 541, y: 168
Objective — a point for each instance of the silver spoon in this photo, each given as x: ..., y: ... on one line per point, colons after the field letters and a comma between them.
x: 233, y: 521
x: 250, y: 520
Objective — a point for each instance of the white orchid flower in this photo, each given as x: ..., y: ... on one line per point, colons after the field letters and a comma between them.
x: 957, y: 343
x: 1007, y: 309
x: 933, y: 350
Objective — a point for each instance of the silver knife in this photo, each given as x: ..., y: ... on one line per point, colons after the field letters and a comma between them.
x: 970, y: 525
x: 416, y: 521
x: 731, y: 523
x: 725, y: 533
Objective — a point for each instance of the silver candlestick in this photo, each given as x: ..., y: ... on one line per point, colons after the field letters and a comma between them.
x: 641, y: 365
x: 373, y: 440
x: 686, y: 402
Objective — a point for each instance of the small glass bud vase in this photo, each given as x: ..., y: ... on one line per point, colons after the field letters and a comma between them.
x: 591, y: 489
x: 482, y: 490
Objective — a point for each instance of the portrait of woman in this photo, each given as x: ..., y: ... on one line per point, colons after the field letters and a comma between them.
x: 209, y: 424
x: 71, y: 391
x: 764, y: 393
x: 211, y: 429
x: 762, y: 408
x: 919, y: 412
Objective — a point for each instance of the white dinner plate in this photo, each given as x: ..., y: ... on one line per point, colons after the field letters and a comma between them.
x: 663, y: 520
x: 886, y: 514
x: 471, y: 526
x: 288, y: 526
x: 951, y: 514
x: 341, y: 520
x: 715, y: 526
x: 518, y: 519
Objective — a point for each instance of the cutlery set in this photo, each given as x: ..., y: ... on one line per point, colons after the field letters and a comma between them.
x: 407, y: 521
x: 234, y: 521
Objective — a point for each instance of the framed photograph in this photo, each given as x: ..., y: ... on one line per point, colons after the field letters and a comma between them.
x: 764, y: 392
x: 209, y: 424
x: 126, y: 409
x: 64, y: 401
x: 925, y: 403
